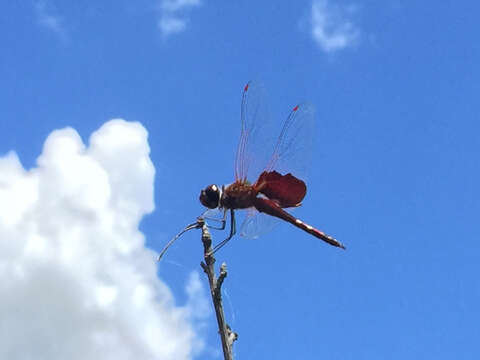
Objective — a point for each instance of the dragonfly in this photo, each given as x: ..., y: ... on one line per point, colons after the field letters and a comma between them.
x: 277, y: 186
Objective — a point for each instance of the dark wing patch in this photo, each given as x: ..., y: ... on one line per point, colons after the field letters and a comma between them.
x: 286, y: 190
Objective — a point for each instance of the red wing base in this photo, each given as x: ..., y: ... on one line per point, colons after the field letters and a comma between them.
x: 285, y: 190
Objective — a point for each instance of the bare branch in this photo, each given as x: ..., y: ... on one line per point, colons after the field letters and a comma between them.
x: 226, y: 334
x: 223, y: 275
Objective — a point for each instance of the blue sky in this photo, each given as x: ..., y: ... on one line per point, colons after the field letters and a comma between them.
x: 395, y: 168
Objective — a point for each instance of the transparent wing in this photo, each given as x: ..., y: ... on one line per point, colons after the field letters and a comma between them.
x: 213, y: 213
x: 257, y: 224
x: 214, y: 217
x: 261, y: 148
x: 292, y: 152
x: 257, y: 135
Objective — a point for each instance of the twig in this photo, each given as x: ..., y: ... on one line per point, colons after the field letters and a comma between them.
x: 226, y: 334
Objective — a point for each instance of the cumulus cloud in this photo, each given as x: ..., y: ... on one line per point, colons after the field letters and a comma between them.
x: 332, y: 28
x: 76, y: 279
x: 173, y: 15
x: 46, y: 18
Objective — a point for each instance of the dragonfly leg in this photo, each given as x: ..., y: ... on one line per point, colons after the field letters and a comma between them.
x: 195, y: 225
x: 222, y: 221
x: 233, y: 230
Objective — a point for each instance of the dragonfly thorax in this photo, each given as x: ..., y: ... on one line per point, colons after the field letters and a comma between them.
x: 239, y: 195
x: 210, y: 196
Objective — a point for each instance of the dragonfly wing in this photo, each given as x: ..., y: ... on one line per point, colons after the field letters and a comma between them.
x: 282, y: 159
x: 213, y: 213
x: 260, y: 148
x: 214, y: 217
x: 285, y: 190
x: 257, y: 135
x: 292, y: 152
x: 257, y: 224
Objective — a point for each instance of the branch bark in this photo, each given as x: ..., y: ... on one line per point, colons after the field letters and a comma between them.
x: 226, y: 334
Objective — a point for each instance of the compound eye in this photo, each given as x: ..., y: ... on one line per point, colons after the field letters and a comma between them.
x: 210, y: 196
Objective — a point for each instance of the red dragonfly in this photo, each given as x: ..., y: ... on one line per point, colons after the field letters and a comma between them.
x: 277, y: 186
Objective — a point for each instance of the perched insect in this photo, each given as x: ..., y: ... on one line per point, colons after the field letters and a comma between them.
x: 277, y: 186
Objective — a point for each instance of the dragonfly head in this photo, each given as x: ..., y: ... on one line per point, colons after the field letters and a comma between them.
x: 210, y: 196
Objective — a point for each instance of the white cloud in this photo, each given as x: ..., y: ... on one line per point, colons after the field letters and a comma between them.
x: 331, y: 27
x: 173, y: 15
x: 76, y: 279
x: 171, y: 25
x: 47, y: 19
